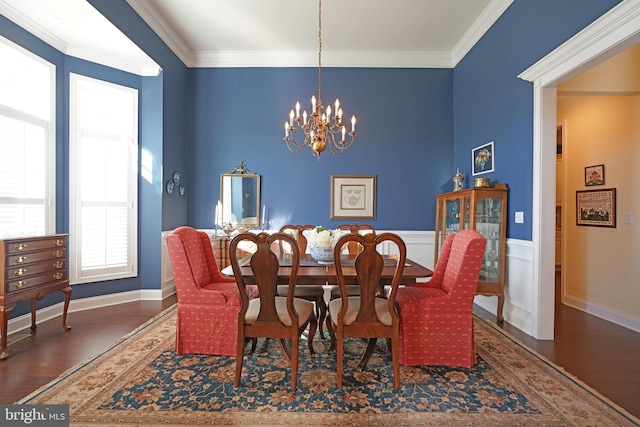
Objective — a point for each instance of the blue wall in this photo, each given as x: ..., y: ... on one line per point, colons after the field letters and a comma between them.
x: 492, y: 104
x: 405, y: 129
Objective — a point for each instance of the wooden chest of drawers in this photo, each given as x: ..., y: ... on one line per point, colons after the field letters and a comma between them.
x: 32, y: 267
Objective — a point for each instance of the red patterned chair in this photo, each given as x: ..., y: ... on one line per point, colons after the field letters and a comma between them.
x: 436, y: 320
x: 208, y: 303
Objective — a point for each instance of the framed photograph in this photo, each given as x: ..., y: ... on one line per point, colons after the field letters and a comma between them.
x: 596, y: 207
x: 482, y: 159
x: 353, y: 197
x: 594, y: 175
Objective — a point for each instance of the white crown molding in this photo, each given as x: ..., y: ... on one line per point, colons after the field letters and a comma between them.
x: 487, y: 18
x: 620, y: 27
x: 329, y: 59
x: 160, y: 26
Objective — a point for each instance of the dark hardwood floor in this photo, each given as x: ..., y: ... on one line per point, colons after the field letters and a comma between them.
x: 601, y: 354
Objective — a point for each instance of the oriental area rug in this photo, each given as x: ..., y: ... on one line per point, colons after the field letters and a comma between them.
x: 139, y: 380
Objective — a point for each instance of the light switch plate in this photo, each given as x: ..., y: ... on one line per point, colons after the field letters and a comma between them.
x: 628, y: 218
x: 519, y: 217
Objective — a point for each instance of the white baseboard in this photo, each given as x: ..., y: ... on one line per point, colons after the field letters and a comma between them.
x: 605, y: 313
x: 51, y: 312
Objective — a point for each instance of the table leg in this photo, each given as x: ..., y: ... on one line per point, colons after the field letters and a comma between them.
x: 367, y: 354
x: 67, y: 297
x: 4, y: 323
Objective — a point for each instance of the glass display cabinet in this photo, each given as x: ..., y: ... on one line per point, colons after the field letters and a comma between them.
x: 483, y: 210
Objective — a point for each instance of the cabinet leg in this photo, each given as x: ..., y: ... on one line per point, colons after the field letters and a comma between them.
x: 4, y: 323
x: 33, y: 314
x: 67, y: 297
x: 500, y: 307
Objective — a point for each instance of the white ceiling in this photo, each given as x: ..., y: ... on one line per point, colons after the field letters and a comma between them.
x: 224, y: 33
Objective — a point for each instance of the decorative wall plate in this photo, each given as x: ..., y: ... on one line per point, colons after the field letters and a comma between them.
x: 170, y: 186
x: 176, y: 177
x: 183, y: 190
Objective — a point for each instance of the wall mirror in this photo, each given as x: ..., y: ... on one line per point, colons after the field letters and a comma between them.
x: 240, y: 197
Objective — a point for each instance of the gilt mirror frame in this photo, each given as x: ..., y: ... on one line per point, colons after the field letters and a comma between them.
x: 240, y: 196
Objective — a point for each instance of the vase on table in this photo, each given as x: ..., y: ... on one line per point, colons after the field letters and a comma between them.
x: 323, y: 255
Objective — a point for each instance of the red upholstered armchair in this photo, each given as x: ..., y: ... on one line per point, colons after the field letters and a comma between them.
x: 208, y: 303
x: 436, y: 320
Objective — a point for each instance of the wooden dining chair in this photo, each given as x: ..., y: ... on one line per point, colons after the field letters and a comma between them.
x: 366, y: 315
x: 271, y: 316
x: 352, y: 249
x: 314, y: 293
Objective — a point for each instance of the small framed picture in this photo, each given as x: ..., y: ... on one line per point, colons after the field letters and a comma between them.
x: 594, y: 175
x: 482, y: 159
x: 596, y: 208
x: 353, y: 197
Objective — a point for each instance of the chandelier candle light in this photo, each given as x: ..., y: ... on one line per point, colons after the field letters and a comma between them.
x: 320, y: 128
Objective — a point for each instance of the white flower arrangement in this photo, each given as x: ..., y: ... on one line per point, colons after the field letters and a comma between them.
x: 321, y: 237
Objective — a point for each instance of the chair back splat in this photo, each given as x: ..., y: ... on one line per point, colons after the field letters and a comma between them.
x: 366, y: 315
x: 271, y: 316
x: 313, y: 293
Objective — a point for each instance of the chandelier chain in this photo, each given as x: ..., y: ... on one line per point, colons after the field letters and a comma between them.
x: 320, y: 51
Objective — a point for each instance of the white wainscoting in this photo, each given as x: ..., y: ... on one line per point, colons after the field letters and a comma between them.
x: 420, y: 245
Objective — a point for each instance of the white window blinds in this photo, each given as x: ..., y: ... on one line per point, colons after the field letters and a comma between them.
x: 103, y: 179
x: 27, y: 164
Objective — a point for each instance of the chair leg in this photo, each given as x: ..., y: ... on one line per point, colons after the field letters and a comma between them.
x: 339, y: 358
x: 294, y: 363
x: 239, y: 357
x: 395, y: 359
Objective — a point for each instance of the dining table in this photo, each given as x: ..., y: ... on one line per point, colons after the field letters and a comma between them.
x: 311, y: 272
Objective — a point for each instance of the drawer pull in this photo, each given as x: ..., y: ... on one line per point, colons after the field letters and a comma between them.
x: 58, y: 276
x: 58, y: 242
x: 21, y: 246
x: 58, y: 254
x: 20, y: 272
x: 58, y: 264
x: 21, y: 284
x: 21, y: 259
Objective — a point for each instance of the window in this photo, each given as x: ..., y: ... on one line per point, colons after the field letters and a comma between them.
x: 103, y: 184
x: 27, y: 143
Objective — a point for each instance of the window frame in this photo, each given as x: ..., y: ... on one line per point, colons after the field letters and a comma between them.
x: 76, y: 274
x: 49, y: 135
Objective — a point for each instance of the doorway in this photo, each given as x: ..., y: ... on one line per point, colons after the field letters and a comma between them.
x: 615, y: 31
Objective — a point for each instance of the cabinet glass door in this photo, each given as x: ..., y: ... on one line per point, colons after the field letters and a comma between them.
x: 452, y: 224
x: 489, y: 224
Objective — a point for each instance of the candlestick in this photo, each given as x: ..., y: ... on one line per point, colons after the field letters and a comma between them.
x: 264, y: 209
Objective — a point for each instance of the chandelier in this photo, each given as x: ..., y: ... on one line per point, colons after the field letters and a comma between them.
x: 320, y: 128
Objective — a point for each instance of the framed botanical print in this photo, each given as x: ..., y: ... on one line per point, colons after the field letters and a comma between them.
x: 353, y: 197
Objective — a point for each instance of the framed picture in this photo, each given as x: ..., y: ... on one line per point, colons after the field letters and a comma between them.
x: 353, y: 197
x: 596, y: 207
x: 594, y: 175
x: 482, y: 159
